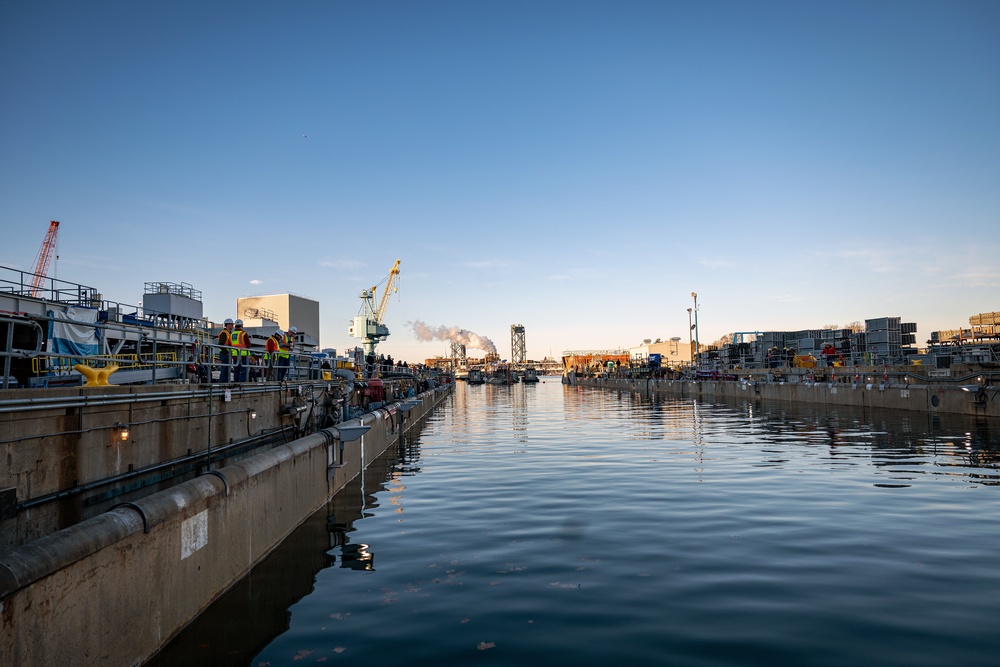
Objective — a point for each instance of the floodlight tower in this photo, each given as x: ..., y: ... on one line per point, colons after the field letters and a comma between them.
x: 697, y: 347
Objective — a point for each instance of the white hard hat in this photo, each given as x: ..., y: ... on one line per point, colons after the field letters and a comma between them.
x: 239, y: 323
x: 229, y: 320
x: 278, y: 332
x: 293, y: 330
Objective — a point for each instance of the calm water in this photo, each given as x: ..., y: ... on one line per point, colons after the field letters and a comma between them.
x: 562, y: 525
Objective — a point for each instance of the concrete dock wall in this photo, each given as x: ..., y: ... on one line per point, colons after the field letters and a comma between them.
x: 66, y: 439
x: 929, y: 398
x: 115, y: 588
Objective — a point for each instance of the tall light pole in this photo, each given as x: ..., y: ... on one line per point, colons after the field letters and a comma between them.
x: 697, y: 347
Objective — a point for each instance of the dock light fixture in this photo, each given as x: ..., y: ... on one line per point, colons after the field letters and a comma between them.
x: 405, y: 407
x: 344, y: 434
x: 121, y: 430
x: 978, y: 391
x: 350, y: 433
x: 251, y: 416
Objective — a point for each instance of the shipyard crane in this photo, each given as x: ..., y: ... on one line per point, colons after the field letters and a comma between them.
x: 44, y: 258
x: 367, y: 325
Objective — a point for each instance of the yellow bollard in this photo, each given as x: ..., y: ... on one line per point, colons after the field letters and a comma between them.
x: 96, y: 377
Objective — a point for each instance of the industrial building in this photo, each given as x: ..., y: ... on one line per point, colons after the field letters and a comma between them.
x: 285, y: 310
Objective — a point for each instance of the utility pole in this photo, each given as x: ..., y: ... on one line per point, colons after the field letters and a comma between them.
x: 697, y: 347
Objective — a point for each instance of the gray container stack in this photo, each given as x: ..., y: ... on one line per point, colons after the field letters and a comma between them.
x: 884, y: 340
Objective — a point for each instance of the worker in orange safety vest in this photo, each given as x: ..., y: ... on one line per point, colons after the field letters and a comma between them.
x: 240, y: 341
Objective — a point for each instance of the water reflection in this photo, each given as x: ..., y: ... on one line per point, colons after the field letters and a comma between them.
x: 356, y: 557
x: 256, y: 610
x: 644, y: 531
x: 226, y: 634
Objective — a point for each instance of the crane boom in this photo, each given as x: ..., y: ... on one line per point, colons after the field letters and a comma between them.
x: 389, y: 288
x: 44, y: 258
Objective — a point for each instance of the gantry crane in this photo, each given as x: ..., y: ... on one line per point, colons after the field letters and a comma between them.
x: 367, y: 325
x: 44, y: 258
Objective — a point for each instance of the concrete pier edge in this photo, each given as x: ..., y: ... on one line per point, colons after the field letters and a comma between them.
x: 930, y: 398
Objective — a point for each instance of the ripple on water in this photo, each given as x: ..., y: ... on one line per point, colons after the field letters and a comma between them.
x: 571, y: 526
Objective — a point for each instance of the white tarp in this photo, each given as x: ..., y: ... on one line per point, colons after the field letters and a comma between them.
x: 73, y: 332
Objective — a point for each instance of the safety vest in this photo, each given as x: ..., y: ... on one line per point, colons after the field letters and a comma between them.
x: 239, y: 340
x: 286, y: 345
x: 276, y: 342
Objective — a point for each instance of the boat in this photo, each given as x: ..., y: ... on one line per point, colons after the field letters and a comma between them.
x: 475, y: 376
x: 500, y: 374
x: 529, y: 375
x: 498, y: 378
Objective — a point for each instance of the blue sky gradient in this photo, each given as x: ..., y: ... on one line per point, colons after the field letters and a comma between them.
x: 576, y: 167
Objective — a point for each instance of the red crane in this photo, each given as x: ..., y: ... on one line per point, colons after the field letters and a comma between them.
x: 44, y: 258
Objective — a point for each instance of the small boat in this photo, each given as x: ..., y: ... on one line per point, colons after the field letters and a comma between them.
x: 500, y: 374
x: 475, y: 376
x: 529, y: 375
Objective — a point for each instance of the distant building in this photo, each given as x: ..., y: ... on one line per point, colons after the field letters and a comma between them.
x: 594, y: 359
x: 673, y: 353
x: 287, y: 310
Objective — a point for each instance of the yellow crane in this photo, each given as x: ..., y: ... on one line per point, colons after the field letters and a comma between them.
x: 367, y: 325
x: 390, y: 288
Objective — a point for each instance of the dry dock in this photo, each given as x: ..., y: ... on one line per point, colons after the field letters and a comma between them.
x: 116, y: 586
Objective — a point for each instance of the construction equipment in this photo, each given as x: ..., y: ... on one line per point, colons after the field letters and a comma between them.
x: 367, y: 325
x: 44, y: 258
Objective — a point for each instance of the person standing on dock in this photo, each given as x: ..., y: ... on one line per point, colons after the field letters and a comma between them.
x: 274, y: 347
x: 829, y: 353
x: 289, y: 345
x: 225, y: 347
x: 241, y: 350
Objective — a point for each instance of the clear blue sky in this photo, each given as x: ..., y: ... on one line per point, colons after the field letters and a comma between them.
x: 576, y: 167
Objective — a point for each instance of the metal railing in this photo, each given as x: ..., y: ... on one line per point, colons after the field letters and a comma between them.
x: 20, y: 283
x: 9, y: 351
x: 199, y: 361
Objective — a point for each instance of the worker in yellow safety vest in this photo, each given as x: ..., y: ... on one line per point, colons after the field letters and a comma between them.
x: 240, y: 341
x: 284, y: 359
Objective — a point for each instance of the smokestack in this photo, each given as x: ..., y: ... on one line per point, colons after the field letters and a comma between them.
x: 453, y: 334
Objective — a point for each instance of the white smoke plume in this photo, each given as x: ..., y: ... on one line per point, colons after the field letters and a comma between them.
x: 454, y: 335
